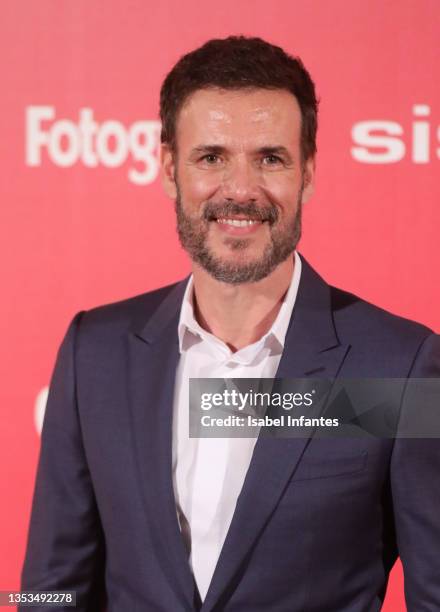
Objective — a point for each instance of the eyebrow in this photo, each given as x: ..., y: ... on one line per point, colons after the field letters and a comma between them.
x: 213, y: 149
x: 276, y: 150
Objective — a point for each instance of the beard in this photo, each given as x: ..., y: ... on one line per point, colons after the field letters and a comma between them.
x: 194, y: 235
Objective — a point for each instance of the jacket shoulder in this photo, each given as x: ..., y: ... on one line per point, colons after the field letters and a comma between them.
x: 357, y: 318
x: 130, y: 313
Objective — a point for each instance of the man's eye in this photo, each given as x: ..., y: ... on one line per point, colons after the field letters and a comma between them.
x: 271, y: 160
x: 210, y: 158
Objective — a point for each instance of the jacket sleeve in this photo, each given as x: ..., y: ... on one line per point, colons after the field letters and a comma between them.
x: 65, y: 547
x: 415, y: 482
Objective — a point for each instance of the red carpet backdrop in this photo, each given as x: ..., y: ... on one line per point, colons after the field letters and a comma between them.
x: 84, y: 219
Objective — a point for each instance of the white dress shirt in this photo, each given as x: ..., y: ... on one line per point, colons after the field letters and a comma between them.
x: 208, y: 473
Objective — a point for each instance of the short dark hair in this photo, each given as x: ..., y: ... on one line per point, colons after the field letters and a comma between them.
x: 239, y: 62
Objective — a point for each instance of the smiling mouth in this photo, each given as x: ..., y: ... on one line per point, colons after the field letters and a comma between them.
x: 235, y: 215
x: 238, y: 222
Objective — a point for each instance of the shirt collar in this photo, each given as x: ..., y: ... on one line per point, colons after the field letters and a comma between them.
x: 189, y: 331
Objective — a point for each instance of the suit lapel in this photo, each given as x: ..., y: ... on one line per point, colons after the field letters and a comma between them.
x: 153, y: 359
x: 311, y: 349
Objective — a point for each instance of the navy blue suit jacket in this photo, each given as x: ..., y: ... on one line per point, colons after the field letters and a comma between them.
x: 319, y: 522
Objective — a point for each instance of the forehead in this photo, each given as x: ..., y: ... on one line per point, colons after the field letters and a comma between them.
x: 256, y: 116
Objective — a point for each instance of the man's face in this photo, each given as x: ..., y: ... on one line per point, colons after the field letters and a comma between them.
x: 238, y: 180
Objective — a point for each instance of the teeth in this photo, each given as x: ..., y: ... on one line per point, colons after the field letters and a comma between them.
x: 238, y: 222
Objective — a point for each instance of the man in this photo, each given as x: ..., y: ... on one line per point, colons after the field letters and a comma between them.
x: 127, y: 505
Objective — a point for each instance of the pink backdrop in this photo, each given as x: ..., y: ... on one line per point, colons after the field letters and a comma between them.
x: 84, y: 219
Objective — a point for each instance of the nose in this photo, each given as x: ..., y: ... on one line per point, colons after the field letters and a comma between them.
x: 241, y: 181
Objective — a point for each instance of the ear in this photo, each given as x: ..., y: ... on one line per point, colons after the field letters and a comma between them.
x: 168, y: 171
x: 308, y: 179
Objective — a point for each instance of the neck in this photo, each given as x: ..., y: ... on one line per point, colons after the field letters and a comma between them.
x: 240, y: 314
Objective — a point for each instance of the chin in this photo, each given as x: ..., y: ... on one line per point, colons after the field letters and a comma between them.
x: 238, y: 258
x: 239, y: 250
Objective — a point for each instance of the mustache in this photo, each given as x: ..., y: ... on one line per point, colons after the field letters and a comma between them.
x: 217, y: 210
